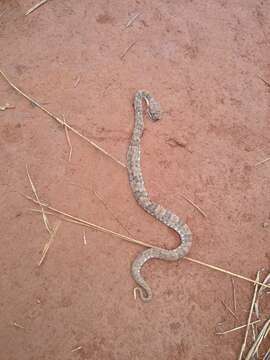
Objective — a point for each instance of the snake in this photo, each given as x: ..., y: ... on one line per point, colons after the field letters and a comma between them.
x: 140, y: 193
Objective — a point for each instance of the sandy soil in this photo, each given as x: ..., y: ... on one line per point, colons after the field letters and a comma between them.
x: 201, y: 60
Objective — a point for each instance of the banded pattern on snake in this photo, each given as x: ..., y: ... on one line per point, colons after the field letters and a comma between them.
x: 137, y: 185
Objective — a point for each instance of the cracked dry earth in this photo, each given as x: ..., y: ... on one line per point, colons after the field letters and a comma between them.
x: 201, y: 60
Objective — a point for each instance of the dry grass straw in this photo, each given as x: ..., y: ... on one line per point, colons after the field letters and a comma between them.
x: 84, y: 238
x: 68, y: 139
x: 33, y: 8
x: 196, y: 206
x: 229, y: 310
x: 110, y: 211
x: 262, y: 161
x: 257, y: 337
x: 76, y: 349
x: 127, y: 50
x: 237, y: 328
x: 56, y: 118
x: 76, y: 220
x: 265, y: 281
x: 267, y: 355
x: 7, y: 106
x: 45, y: 219
x: 76, y: 83
x: 49, y: 242
x: 226, y: 272
x: 264, y: 81
x: 249, y: 317
x: 234, y: 295
x: 254, y: 336
x: 131, y: 21
x: 18, y: 325
x: 261, y: 336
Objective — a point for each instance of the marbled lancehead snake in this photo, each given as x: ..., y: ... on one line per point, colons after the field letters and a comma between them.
x: 141, y: 195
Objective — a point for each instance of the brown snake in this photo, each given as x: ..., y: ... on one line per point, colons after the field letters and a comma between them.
x: 137, y: 185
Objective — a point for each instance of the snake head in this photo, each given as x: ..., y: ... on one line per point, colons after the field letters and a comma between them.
x: 154, y: 110
x: 154, y: 115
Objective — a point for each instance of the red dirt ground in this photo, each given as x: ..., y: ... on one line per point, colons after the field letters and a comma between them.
x: 201, y: 60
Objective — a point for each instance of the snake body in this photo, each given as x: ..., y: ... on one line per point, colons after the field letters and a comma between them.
x: 140, y: 193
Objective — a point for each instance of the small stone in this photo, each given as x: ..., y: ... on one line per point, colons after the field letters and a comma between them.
x: 265, y: 224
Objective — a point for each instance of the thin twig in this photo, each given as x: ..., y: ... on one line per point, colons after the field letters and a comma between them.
x: 48, y: 244
x: 45, y: 219
x: 68, y: 139
x: 131, y: 21
x: 262, y: 161
x: 230, y: 311
x: 56, y: 118
x: 134, y: 241
x: 236, y: 328
x: 35, y: 7
x: 127, y: 50
x: 196, y: 206
x: 249, y: 317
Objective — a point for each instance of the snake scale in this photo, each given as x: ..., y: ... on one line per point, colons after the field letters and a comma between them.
x: 140, y: 193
